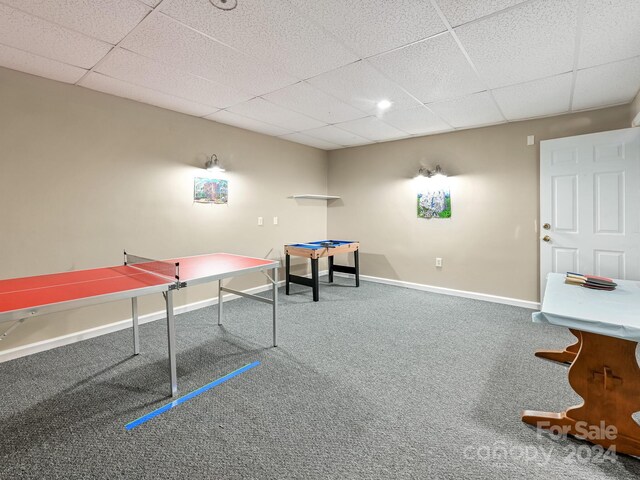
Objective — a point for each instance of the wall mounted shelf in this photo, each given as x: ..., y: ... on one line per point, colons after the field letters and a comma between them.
x: 315, y: 197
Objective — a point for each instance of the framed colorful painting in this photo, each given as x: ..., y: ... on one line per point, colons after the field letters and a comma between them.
x: 210, y: 190
x: 434, y: 202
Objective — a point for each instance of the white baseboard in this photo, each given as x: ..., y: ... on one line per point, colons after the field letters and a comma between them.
x: 449, y: 291
x: 70, y: 338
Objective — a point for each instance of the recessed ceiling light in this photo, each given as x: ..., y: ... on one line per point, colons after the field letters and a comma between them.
x: 384, y: 104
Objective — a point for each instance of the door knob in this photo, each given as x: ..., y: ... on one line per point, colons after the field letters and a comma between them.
x: 546, y: 238
x: 546, y: 226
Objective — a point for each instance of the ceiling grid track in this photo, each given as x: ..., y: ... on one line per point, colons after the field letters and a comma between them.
x: 64, y: 26
x: 316, y: 71
x: 153, y: 11
x: 466, y: 55
x: 364, y: 59
x: 576, y: 57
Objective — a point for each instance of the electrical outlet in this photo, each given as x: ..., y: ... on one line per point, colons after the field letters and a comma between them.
x: 275, y: 220
x: 438, y: 262
x: 260, y: 222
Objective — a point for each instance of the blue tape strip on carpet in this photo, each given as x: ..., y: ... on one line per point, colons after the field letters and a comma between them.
x: 189, y: 396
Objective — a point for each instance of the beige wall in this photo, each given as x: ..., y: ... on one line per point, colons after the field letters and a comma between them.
x: 490, y: 244
x: 85, y: 175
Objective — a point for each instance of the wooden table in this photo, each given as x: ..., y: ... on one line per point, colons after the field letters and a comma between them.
x: 604, y: 370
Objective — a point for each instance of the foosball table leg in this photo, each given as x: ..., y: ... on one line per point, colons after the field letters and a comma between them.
x: 330, y: 260
x: 356, y: 262
x: 315, y: 280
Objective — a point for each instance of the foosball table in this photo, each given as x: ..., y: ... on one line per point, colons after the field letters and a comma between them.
x: 316, y: 250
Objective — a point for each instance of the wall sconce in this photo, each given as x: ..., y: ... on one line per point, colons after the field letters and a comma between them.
x: 435, y: 173
x: 212, y: 164
x: 224, y: 4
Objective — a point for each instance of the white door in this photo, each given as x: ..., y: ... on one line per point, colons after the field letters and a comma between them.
x: 590, y: 205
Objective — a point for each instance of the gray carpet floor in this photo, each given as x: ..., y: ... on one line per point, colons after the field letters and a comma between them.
x: 377, y: 382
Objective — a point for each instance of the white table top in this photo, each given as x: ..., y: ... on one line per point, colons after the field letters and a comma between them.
x: 613, y: 313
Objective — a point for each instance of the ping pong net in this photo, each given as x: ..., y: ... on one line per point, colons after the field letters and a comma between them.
x: 168, y: 270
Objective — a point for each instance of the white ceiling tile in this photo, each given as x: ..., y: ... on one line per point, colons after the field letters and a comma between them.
x: 372, y: 128
x: 463, y: 11
x: 235, y: 120
x: 102, y: 83
x: 108, y: 20
x: 416, y: 121
x: 535, y: 40
x: 605, y: 85
x: 133, y: 68
x: 373, y: 26
x: 610, y: 31
x: 305, y: 99
x: 362, y: 86
x: 549, y: 96
x: 35, y: 65
x: 272, y: 31
x: 336, y: 135
x: 260, y: 109
x: 23, y: 31
x: 432, y: 70
x: 475, y: 110
x: 312, y: 142
x: 190, y: 57
x: 164, y: 39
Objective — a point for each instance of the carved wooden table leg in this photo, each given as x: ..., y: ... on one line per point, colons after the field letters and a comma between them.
x: 567, y: 355
x: 606, y: 375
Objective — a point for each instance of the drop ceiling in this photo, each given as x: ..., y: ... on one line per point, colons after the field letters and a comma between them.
x: 313, y: 71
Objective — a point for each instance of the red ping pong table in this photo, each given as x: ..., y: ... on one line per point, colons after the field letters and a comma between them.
x: 23, y: 298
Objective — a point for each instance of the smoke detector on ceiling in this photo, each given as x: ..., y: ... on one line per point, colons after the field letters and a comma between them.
x: 224, y: 4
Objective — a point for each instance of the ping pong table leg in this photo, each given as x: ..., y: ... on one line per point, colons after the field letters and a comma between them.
x: 134, y: 317
x: 275, y: 306
x: 171, y: 336
x: 287, y: 270
x: 220, y: 302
